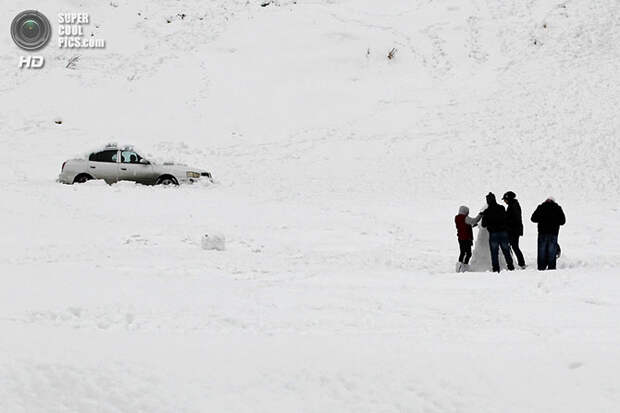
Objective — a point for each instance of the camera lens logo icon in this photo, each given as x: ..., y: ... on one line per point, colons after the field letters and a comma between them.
x: 31, y: 30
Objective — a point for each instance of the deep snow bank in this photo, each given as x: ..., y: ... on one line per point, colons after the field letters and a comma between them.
x: 339, y: 174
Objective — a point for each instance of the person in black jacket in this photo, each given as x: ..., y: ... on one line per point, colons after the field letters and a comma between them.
x: 494, y: 220
x: 549, y: 217
x: 515, y: 225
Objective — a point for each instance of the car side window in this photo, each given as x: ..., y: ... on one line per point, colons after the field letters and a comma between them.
x: 104, y: 156
x: 130, y: 157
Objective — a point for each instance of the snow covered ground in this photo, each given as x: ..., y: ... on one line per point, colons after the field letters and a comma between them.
x: 339, y: 173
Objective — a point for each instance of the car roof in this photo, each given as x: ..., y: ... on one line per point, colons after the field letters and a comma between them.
x: 114, y: 146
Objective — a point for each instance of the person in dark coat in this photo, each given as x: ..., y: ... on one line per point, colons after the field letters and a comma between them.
x: 464, y: 224
x: 495, y: 221
x: 549, y: 216
x: 515, y: 225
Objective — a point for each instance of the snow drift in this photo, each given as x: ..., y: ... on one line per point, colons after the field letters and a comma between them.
x: 339, y: 172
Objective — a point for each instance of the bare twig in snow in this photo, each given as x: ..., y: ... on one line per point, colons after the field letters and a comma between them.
x: 72, y: 62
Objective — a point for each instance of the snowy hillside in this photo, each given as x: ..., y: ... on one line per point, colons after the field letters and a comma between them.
x: 339, y: 172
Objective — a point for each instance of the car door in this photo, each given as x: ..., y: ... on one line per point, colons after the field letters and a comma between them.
x: 134, y: 168
x: 104, y: 165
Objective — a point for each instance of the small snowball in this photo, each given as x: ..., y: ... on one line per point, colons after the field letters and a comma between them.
x: 213, y: 241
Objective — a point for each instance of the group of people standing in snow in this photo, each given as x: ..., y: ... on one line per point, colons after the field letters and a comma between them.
x: 502, y: 228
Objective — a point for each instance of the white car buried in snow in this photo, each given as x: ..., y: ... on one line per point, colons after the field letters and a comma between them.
x: 113, y: 164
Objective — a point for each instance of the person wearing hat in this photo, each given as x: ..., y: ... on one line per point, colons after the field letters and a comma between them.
x: 514, y: 221
x: 550, y: 217
x: 464, y: 224
x: 494, y: 220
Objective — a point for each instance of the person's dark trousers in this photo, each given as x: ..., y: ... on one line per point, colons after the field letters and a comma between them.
x: 465, y: 247
x: 499, y: 240
x: 547, y: 250
x: 514, y: 244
